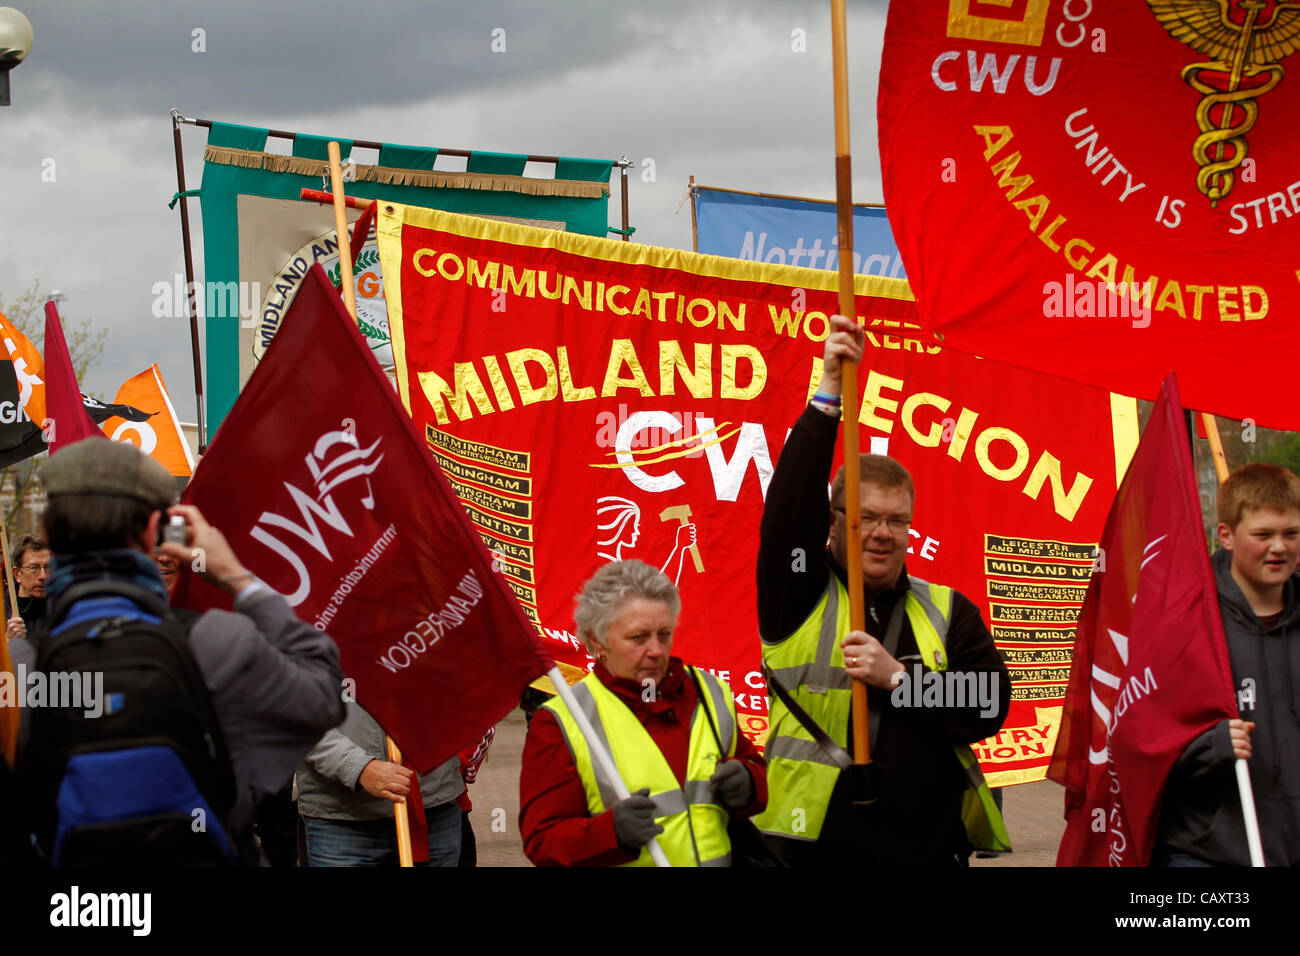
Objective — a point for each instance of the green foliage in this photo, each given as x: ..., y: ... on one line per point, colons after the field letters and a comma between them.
x: 365, y: 260
x: 1285, y: 451
x: 370, y: 332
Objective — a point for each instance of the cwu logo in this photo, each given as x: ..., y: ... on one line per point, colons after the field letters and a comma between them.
x: 337, y: 460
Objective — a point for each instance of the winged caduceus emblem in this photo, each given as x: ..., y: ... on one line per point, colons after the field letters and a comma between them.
x: 1245, y: 41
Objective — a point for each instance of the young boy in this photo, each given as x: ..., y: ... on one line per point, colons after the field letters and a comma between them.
x: 1201, y: 823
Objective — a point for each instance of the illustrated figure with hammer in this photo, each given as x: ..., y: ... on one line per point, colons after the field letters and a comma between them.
x: 618, y: 522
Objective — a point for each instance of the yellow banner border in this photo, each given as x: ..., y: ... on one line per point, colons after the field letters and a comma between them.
x: 393, y: 216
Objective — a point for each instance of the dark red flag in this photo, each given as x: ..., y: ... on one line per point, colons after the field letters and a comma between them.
x: 1150, y: 669
x: 325, y: 489
x: 67, y: 421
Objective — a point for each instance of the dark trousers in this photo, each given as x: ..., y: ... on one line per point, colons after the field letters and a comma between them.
x: 275, y: 822
x: 468, y: 848
x: 878, y: 835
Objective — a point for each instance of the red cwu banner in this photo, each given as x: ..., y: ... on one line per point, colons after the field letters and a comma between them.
x: 1113, y: 181
x: 593, y: 401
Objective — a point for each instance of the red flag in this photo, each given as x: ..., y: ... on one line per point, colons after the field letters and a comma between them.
x: 327, y: 492
x: 67, y: 422
x: 1113, y: 181
x: 1151, y: 668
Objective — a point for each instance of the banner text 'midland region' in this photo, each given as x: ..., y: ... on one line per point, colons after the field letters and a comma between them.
x: 715, y: 370
x: 739, y: 371
x: 430, y: 629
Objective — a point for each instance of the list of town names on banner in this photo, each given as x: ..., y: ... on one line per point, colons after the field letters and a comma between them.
x: 1035, y: 589
x: 496, y: 488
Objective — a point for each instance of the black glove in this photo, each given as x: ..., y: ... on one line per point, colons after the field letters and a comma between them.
x: 732, y: 784
x: 634, y: 820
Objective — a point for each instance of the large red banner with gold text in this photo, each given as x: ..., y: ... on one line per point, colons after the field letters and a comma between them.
x: 594, y: 401
x: 1062, y: 147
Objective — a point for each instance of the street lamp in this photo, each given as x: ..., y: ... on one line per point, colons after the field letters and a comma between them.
x: 15, y: 44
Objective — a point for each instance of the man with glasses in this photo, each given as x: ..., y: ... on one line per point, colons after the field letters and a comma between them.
x: 31, y: 564
x: 924, y: 775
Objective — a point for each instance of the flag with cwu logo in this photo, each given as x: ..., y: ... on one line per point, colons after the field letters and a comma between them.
x: 327, y: 492
x: 1151, y: 669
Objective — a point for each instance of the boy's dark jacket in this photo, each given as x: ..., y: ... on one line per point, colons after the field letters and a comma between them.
x: 1201, y: 814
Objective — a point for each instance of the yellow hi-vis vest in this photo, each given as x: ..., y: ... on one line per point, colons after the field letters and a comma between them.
x: 810, y: 666
x: 695, y: 826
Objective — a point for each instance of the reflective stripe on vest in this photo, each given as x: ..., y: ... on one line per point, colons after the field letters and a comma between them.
x: 810, y: 665
x: 695, y: 826
x: 800, y: 775
x: 985, y: 827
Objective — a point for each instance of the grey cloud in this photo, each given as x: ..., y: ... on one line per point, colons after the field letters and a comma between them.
x: 711, y: 89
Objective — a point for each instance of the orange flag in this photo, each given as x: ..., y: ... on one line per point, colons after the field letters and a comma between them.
x: 29, y: 369
x: 161, y: 436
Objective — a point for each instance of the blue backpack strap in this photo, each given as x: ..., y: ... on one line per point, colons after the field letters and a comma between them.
x: 144, y: 598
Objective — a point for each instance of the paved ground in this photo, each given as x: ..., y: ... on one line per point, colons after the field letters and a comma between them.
x: 1033, y: 810
x: 1035, y: 822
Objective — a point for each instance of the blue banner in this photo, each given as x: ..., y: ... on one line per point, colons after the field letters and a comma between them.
x: 793, y: 232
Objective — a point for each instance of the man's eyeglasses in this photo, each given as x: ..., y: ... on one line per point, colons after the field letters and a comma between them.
x: 897, y: 523
x: 35, y: 568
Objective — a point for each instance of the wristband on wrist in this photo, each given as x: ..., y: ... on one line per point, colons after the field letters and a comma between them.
x: 235, y: 577
x: 826, y: 398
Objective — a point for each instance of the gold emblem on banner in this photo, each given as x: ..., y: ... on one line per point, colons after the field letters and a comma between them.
x: 1247, y: 53
x: 993, y: 21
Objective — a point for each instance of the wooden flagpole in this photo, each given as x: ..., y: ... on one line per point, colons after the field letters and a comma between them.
x: 9, y: 571
x: 849, y: 376
x: 1216, y: 446
x: 400, y: 817
x: 695, y: 229
x: 327, y: 199
x: 341, y: 226
x: 9, y: 743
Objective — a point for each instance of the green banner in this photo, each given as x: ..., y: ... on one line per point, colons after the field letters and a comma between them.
x: 235, y: 166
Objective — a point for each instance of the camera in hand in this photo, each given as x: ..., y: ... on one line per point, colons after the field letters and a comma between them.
x: 176, y: 530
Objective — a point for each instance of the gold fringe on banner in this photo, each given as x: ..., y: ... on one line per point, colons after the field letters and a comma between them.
x: 425, y: 178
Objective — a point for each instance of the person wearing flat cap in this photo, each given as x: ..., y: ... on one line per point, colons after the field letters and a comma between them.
x: 273, y: 680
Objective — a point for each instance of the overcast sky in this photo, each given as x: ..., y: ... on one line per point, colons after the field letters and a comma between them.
x: 710, y: 89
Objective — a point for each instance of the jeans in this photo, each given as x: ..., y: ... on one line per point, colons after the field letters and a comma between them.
x: 374, y: 842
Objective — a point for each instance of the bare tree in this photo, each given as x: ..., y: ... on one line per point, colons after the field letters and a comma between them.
x: 86, y: 346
